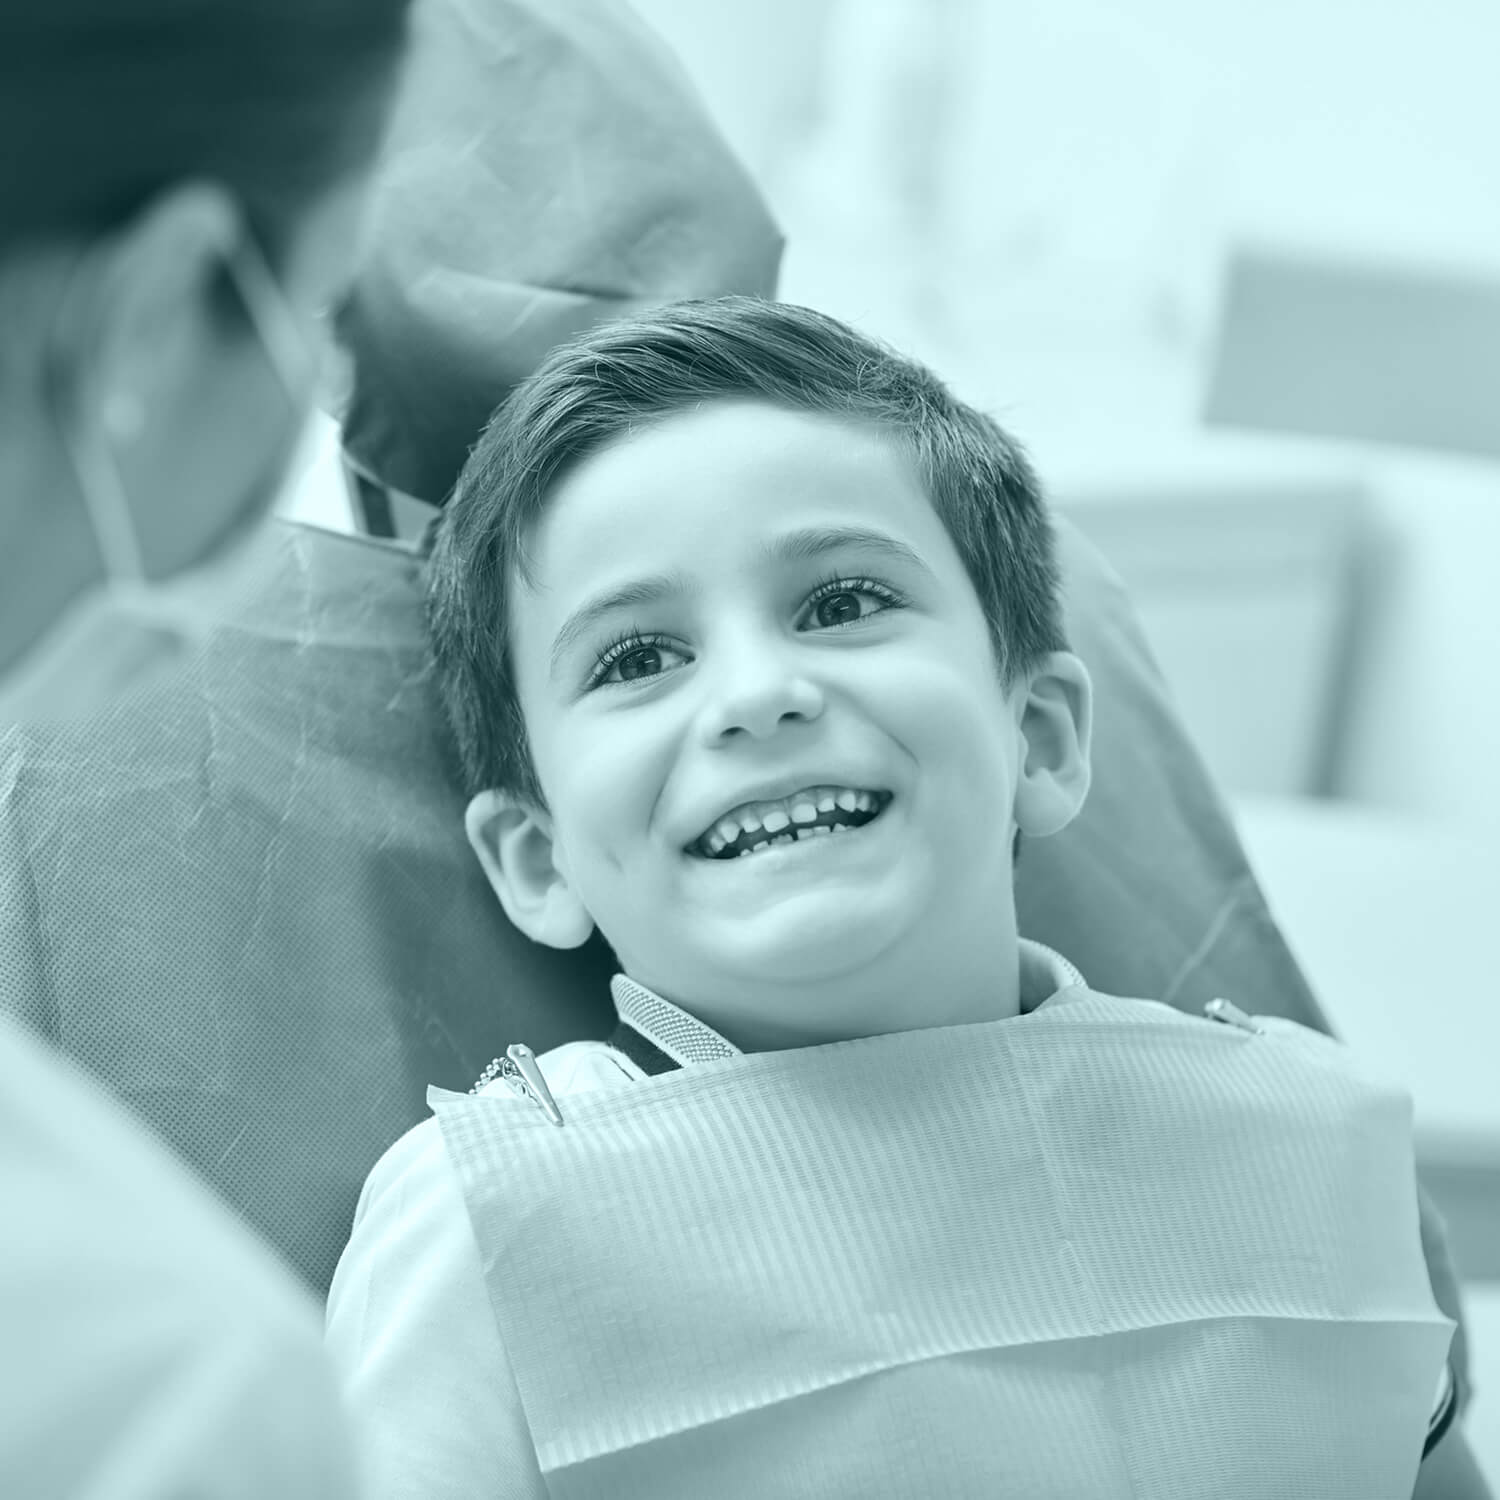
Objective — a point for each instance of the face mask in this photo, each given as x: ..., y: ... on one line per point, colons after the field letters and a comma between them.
x: 126, y: 631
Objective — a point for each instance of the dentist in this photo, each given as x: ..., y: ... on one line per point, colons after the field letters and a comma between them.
x: 179, y: 196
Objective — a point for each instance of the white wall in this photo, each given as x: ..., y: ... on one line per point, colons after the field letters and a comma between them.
x: 1426, y: 732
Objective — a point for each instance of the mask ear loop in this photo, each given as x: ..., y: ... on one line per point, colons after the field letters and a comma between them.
x: 97, y: 475
x: 89, y: 454
x: 275, y: 325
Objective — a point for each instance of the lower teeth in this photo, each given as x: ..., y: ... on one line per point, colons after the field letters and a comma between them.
x: 801, y: 836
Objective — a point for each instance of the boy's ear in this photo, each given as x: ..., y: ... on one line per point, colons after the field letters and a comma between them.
x: 515, y: 846
x: 1057, y: 725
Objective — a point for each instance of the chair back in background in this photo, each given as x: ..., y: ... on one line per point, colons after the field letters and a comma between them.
x: 246, y: 900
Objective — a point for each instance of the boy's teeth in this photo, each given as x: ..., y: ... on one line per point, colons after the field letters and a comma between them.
x: 795, y: 835
x: 792, y: 818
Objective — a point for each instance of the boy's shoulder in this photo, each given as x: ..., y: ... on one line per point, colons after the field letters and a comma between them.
x: 573, y: 1068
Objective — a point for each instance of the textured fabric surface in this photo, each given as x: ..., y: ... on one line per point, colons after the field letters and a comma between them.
x: 411, y: 1327
x: 1148, y: 890
x: 1103, y: 1247
x: 246, y: 901
x: 684, y: 1038
x: 549, y: 166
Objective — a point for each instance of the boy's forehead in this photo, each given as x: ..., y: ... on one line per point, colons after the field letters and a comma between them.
x: 733, y: 462
x: 703, y: 502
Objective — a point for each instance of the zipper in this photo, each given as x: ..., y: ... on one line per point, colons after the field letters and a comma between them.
x: 520, y: 1070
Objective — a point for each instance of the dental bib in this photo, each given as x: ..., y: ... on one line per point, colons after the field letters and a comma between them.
x: 1102, y: 1249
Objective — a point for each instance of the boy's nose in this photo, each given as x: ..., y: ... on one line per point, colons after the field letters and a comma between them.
x: 756, y: 698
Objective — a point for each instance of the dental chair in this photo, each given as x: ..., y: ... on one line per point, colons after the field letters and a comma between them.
x: 246, y: 900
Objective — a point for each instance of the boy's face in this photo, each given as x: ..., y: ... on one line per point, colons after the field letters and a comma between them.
x: 748, y: 610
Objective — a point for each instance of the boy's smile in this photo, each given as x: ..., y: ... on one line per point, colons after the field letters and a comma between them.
x: 780, y: 769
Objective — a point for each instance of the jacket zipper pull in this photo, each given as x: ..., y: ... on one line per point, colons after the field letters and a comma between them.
x: 1231, y: 1015
x: 521, y: 1072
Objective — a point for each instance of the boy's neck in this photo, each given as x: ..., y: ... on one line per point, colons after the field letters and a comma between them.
x: 1030, y: 977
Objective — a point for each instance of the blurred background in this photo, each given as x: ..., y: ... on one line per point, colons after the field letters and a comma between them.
x: 1232, y: 274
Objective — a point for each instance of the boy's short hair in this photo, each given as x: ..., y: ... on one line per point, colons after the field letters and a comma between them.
x: 622, y: 377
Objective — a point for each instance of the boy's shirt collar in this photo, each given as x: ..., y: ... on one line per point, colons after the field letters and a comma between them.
x: 686, y: 1040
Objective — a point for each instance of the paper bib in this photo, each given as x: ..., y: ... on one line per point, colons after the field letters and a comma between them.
x: 1104, y: 1249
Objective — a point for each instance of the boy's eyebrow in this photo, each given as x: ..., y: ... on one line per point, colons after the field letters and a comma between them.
x: 638, y: 591
x: 794, y: 546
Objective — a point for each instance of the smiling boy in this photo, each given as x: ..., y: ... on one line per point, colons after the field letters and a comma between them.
x: 749, y: 636
x: 736, y: 613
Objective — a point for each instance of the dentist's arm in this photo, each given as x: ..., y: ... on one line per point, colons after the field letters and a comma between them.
x: 150, y: 1347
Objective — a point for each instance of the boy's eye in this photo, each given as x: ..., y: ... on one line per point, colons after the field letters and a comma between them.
x: 640, y: 662
x: 637, y: 657
x: 841, y: 601
x: 838, y: 609
x: 632, y: 658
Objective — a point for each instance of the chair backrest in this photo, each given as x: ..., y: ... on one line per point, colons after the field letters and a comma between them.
x: 246, y: 900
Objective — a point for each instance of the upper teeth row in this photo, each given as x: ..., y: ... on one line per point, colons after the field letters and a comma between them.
x: 800, y: 807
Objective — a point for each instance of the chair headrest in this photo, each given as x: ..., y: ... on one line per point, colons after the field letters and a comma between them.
x: 547, y: 167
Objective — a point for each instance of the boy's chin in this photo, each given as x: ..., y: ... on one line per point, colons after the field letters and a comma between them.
x: 795, y: 929
x: 805, y: 946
